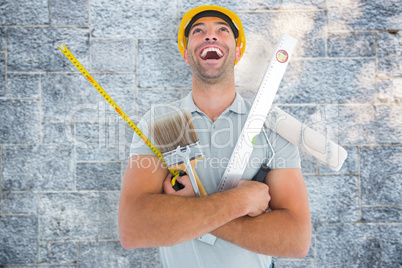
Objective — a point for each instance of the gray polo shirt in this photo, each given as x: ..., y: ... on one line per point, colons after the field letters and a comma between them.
x: 217, y: 141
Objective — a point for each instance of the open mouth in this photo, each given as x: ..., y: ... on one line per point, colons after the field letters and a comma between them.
x: 211, y: 53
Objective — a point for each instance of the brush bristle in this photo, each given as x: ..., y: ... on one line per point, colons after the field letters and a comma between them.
x: 173, y: 129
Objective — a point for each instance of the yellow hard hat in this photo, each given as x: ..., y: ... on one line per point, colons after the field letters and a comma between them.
x: 211, y: 11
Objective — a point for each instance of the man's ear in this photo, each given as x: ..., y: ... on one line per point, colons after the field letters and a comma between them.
x: 185, y: 56
x: 238, y: 53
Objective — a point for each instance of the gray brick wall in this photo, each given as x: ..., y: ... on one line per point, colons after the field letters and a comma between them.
x: 63, y: 149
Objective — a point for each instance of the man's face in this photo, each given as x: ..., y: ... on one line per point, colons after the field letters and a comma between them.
x: 211, y: 48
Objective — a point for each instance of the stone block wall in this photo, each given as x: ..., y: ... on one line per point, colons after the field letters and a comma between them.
x: 63, y: 150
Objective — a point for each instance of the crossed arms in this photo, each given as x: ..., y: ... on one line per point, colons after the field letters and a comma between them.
x: 151, y: 214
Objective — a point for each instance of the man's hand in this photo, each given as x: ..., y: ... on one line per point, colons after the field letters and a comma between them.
x: 184, y: 180
x: 257, y: 196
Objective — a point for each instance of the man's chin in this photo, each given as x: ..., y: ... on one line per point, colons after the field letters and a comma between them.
x: 211, y: 75
x: 210, y: 69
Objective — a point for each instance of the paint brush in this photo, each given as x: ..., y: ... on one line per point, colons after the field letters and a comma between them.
x: 175, y: 137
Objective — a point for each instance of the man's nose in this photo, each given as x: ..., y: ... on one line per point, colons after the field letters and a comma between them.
x: 210, y: 36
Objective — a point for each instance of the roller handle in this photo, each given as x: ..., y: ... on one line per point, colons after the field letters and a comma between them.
x: 262, y: 173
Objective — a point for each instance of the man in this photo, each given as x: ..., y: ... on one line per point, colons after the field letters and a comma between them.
x: 152, y: 214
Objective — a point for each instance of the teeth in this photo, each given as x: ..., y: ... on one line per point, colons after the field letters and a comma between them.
x: 210, y: 49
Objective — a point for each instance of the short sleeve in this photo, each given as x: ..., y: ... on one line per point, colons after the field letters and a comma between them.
x: 286, y: 154
x: 138, y: 146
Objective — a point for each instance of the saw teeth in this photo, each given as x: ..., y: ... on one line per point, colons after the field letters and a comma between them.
x: 210, y: 49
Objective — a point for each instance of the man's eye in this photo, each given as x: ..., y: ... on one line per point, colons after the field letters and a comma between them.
x: 224, y: 29
x: 197, y: 30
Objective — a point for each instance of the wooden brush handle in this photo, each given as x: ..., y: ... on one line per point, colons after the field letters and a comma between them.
x: 200, y: 186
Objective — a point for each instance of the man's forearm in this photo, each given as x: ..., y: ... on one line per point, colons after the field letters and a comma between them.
x: 284, y: 231
x: 163, y: 220
x: 275, y: 233
x: 148, y: 217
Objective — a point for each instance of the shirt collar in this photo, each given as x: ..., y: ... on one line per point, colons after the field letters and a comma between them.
x: 189, y: 103
x: 237, y: 106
